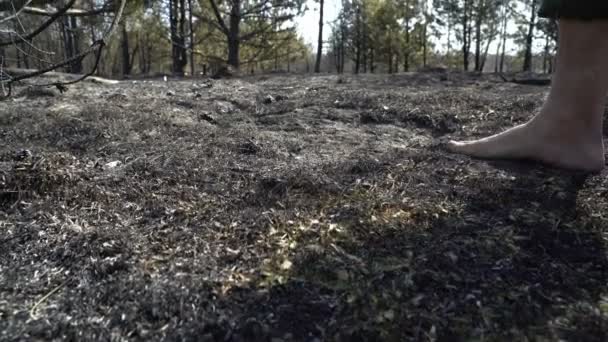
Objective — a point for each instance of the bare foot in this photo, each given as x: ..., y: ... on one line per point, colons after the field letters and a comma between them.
x: 567, y: 133
x: 564, y: 147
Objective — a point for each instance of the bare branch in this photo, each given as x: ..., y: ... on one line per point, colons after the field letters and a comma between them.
x: 42, y: 27
x: 96, y: 48
x: 12, y: 5
x: 72, y: 12
x: 218, y: 16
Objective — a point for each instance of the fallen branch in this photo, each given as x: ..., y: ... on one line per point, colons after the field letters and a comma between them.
x: 527, y: 81
x: 95, y: 48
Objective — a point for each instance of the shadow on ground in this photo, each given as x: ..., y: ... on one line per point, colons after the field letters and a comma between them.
x: 520, y: 260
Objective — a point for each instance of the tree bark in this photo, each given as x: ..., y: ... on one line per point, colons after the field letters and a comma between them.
x: 126, y: 58
x: 191, y: 27
x: 358, y: 42
x: 177, y: 18
x: 529, y: 39
x: 504, y: 41
x: 320, y: 40
x: 424, y: 44
x: 478, y: 22
x: 342, y: 46
x: 406, y: 53
x: 234, y: 42
x: 466, y: 35
x: 77, y: 64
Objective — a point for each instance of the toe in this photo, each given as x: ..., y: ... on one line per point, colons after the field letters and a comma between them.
x: 456, y: 146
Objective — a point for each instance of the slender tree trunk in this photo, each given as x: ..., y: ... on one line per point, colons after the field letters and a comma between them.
x: 191, y: 27
x: 448, y: 61
x: 546, y: 54
x: 183, y: 53
x: 424, y: 44
x: 478, y: 22
x: 177, y: 18
x: 320, y: 40
x: 67, y: 42
x: 466, y: 36
x: 497, y: 56
x: 529, y: 39
x: 406, y: 52
x: 485, y: 52
x: 504, y: 41
x: 142, y: 57
x: 77, y: 64
x: 342, y: 46
x: 358, y: 41
x: 364, y: 48
x: 126, y: 58
x: 396, y: 70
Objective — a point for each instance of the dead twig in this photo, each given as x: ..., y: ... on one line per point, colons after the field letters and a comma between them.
x: 43, y: 299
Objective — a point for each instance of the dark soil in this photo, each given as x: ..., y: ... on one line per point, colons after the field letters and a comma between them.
x: 291, y: 208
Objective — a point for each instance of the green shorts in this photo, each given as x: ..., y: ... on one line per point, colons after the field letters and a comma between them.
x: 574, y: 9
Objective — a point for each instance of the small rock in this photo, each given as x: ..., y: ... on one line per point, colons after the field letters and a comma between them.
x: 112, y: 164
x: 249, y: 147
x: 22, y: 155
x: 170, y: 93
x: 268, y: 99
x: 208, y: 118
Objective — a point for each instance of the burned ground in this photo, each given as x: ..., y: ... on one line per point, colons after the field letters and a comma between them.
x: 291, y: 208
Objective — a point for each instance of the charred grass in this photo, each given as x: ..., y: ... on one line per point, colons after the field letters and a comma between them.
x: 291, y: 209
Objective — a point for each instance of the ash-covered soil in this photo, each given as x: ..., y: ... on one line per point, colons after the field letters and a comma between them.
x: 291, y: 208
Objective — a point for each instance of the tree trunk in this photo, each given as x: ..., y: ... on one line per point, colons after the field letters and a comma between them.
x: 177, y: 18
x: 406, y: 53
x: 485, y: 52
x: 372, y: 67
x: 77, y: 64
x: 504, y: 41
x: 449, y: 36
x: 396, y: 69
x: 466, y: 35
x: 320, y: 41
x: 126, y: 58
x: 142, y: 57
x: 183, y: 53
x: 424, y: 44
x: 478, y: 21
x: 173, y: 28
x: 342, y: 47
x: 67, y: 41
x: 529, y: 39
x: 358, y: 42
x: 191, y: 27
x: 546, y: 54
x: 234, y: 42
